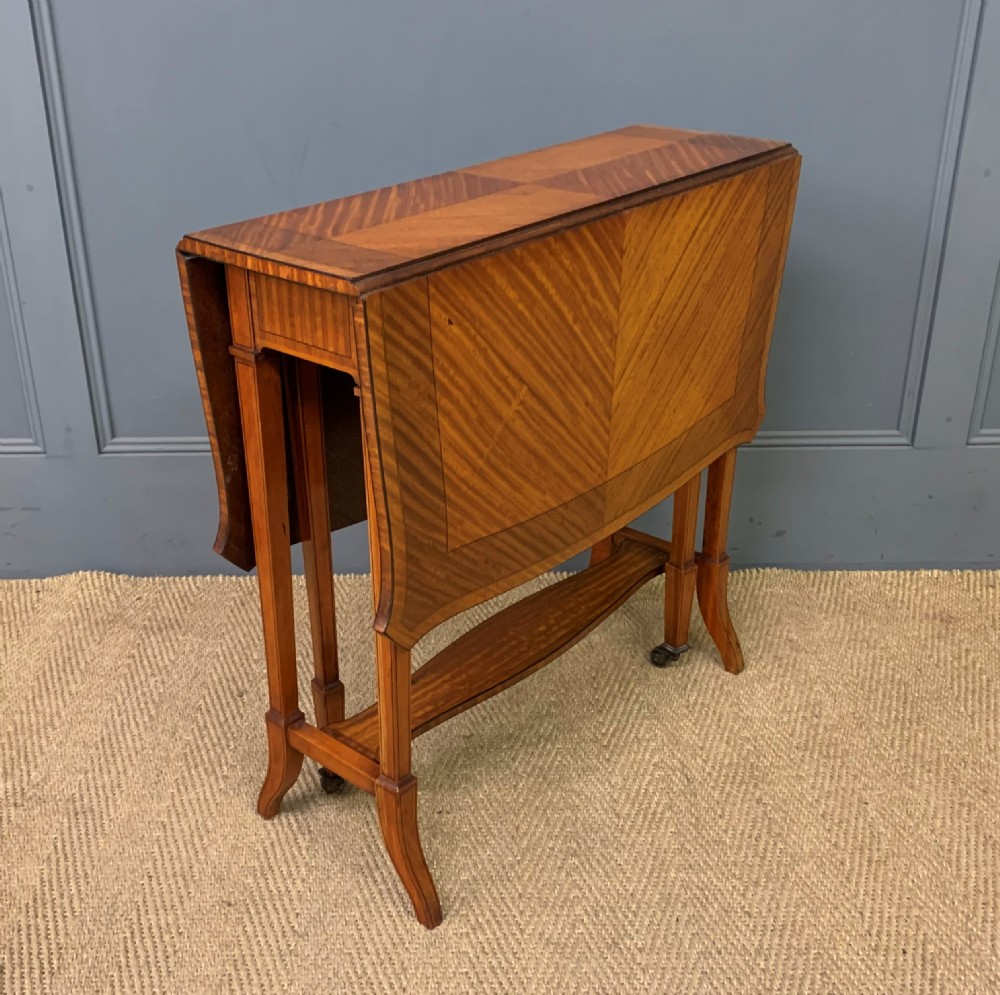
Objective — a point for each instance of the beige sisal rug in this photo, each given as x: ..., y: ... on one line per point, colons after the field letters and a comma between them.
x: 827, y: 822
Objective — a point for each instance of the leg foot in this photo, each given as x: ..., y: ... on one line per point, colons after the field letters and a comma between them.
x: 665, y: 654
x: 713, y: 577
x: 713, y: 563
x: 397, y: 816
x: 283, y: 765
x: 330, y: 783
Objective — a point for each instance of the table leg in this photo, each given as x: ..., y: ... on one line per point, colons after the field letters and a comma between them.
x: 601, y: 550
x: 309, y: 461
x: 713, y: 562
x: 258, y: 378
x: 396, y: 787
x: 679, y: 575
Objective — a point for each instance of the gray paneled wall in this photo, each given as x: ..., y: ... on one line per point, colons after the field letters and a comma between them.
x: 991, y: 413
x: 986, y: 417
x: 138, y: 122
x: 15, y: 428
x: 20, y: 424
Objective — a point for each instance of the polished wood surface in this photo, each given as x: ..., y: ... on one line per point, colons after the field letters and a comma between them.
x: 259, y: 380
x: 478, y: 375
x: 302, y: 322
x: 307, y: 431
x: 203, y: 285
x: 372, y: 240
x: 498, y: 367
x: 510, y: 646
x: 679, y: 579
x: 713, y: 563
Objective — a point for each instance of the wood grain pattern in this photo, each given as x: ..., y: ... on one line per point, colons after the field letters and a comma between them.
x: 713, y: 563
x: 204, y: 288
x: 636, y: 360
x: 776, y: 226
x: 335, y: 218
x: 686, y: 279
x: 259, y: 381
x: 287, y: 314
x: 516, y: 642
x: 469, y: 221
x: 640, y: 170
x: 397, y: 817
x: 372, y: 240
x: 307, y: 432
x: 203, y: 285
x: 681, y: 571
x: 343, y: 759
x: 556, y: 160
x: 396, y: 787
x: 496, y: 417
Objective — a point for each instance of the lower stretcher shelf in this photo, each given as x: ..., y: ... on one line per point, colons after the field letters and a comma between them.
x: 515, y: 642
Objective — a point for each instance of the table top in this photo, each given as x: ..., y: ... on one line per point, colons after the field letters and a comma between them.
x: 372, y: 240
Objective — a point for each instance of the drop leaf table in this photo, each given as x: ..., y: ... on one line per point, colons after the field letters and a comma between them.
x: 497, y: 367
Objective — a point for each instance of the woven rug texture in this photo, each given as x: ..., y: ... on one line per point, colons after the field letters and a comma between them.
x: 827, y: 821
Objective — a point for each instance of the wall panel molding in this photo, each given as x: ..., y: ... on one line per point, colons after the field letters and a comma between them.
x: 849, y: 438
x: 986, y: 437
x: 930, y: 274
x: 154, y: 444
x: 34, y: 443
x: 980, y: 435
x: 79, y: 263
x: 937, y: 232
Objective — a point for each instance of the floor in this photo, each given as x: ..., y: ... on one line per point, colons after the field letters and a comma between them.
x: 825, y: 822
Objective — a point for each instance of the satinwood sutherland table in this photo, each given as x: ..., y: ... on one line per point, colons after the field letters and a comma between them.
x: 498, y: 367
